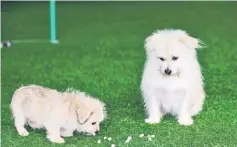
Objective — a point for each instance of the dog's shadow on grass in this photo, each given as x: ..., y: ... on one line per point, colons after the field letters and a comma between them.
x: 36, y: 131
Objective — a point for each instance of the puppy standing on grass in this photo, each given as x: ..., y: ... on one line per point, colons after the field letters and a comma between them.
x: 172, y: 80
x: 60, y: 113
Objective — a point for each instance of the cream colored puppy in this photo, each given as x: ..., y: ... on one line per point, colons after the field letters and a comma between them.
x: 172, y: 81
x: 60, y: 113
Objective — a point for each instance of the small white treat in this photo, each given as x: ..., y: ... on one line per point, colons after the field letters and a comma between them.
x: 149, y: 138
x: 141, y: 135
x: 113, y: 145
x: 99, y: 141
x: 109, y: 138
x: 128, y: 139
x: 105, y: 137
x: 152, y: 136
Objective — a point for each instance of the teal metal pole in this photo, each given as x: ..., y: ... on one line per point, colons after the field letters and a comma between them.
x: 52, y: 10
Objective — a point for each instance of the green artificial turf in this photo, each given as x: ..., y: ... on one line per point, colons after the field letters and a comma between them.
x: 101, y: 52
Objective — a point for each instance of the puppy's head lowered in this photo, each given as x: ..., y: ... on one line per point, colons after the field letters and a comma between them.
x: 90, y: 113
x: 172, y: 51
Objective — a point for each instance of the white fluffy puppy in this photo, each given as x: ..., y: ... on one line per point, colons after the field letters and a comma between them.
x: 172, y: 81
x: 60, y: 113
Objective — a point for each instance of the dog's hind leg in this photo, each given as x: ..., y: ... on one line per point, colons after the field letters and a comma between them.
x: 20, y: 121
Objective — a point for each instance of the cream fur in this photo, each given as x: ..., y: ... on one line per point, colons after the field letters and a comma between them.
x: 181, y: 93
x: 60, y: 113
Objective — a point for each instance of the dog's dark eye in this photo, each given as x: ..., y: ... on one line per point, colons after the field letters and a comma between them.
x: 162, y: 59
x: 93, y: 123
x: 174, y: 58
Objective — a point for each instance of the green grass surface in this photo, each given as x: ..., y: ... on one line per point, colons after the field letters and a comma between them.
x: 101, y: 52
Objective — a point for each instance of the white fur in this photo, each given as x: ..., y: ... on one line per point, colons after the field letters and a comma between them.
x: 181, y: 93
x: 60, y: 113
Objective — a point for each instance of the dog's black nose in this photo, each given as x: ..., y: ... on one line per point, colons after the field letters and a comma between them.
x: 96, y: 132
x: 168, y: 71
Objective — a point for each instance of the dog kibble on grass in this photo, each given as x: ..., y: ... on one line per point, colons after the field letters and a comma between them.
x: 109, y: 138
x: 128, y: 139
x: 141, y: 135
x: 99, y: 141
x: 149, y: 139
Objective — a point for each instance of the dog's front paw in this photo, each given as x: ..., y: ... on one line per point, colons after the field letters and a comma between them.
x: 185, y: 121
x: 56, y: 139
x: 23, y: 132
x: 152, y: 120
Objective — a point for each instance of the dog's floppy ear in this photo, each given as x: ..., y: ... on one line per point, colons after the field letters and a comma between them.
x: 150, y: 44
x: 189, y: 41
x: 83, y: 115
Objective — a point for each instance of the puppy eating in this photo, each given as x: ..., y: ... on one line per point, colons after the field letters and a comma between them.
x: 60, y: 113
x: 172, y: 81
